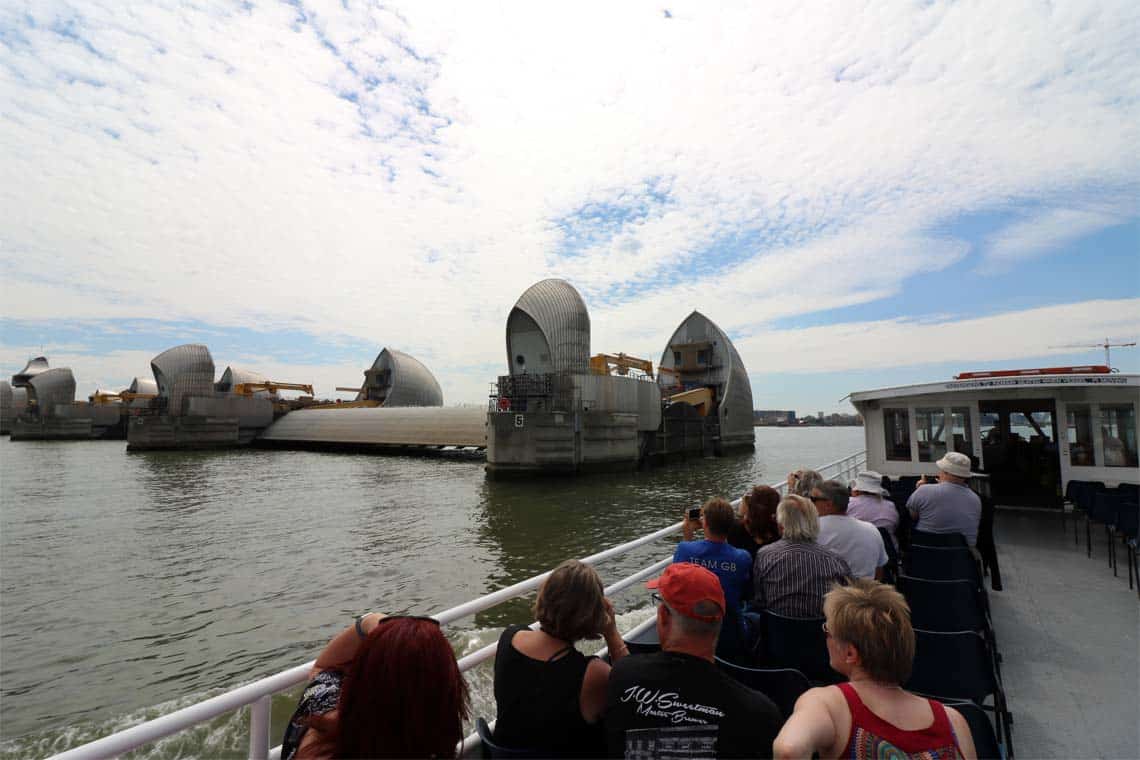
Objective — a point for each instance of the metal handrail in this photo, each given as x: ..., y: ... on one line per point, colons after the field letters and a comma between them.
x: 259, y: 693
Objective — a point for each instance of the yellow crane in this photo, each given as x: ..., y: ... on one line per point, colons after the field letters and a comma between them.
x: 606, y: 364
x: 248, y: 389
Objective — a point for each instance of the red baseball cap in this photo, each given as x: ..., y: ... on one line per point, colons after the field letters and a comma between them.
x: 683, y: 585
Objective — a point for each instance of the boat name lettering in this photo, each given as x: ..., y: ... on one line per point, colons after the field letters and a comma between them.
x: 1007, y: 382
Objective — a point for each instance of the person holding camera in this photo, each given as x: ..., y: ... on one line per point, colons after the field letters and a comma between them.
x: 732, y: 566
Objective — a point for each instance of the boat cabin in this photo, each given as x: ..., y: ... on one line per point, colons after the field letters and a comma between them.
x: 1030, y: 431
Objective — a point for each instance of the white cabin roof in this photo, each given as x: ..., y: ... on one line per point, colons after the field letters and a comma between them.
x: 1113, y: 380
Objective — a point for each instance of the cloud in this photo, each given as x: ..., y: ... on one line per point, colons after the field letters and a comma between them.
x: 400, y: 174
x: 1041, y: 234
x: 1013, y: 335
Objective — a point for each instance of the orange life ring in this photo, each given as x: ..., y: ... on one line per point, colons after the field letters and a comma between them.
x: 504, y: 404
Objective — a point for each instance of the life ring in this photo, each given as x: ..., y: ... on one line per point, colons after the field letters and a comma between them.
x: 504, y: 404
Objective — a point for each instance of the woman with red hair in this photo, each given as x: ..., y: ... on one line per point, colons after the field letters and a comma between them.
x: 387, y: 686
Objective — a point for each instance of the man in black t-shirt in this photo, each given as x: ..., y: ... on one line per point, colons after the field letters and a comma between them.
x: 677, y: 703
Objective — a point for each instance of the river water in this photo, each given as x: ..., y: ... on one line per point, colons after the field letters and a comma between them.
x: 132, y: 584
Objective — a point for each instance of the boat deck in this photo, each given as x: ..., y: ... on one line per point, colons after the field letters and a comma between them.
x: 1068, y: 633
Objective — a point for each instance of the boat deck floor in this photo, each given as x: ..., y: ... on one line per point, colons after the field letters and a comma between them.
x: 1068, y: 633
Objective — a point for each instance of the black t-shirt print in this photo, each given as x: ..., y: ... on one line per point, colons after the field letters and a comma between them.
x: 672, y: 705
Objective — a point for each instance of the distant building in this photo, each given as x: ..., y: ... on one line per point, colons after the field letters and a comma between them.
x: 773, y: 417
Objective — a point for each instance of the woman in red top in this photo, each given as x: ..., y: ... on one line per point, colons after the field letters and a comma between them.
x: 870, y: 640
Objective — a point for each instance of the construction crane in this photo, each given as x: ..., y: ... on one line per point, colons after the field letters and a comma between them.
x: 101, y: 397
x: 606, y: 364
x: 248, y: 389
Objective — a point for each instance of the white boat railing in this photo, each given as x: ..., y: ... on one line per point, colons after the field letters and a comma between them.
x: 257, y: 695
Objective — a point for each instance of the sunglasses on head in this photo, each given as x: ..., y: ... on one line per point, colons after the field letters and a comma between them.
x: 386, y: 618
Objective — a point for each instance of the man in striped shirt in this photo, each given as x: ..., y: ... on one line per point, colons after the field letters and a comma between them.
x: 791, y: 576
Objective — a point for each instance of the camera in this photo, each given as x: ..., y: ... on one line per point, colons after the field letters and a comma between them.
x: 695, y: 513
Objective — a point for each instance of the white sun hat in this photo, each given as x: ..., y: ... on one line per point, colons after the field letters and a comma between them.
x: 870, y: 482
x: 955, y: 463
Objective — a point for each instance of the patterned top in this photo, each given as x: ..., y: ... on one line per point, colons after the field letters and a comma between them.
x: 873, y: 738
x: 319, y: 697
x: 790, y: 578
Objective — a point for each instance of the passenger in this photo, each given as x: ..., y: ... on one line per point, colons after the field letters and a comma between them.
x: 791, y: 576
x: 549, y: 696
x: 948, y: 506
x: 677, y: 702
x: 731, y: 565
x: 869, y: 505
x: 385, y: 687
x: 800, y: 482
x: 858, y: 543
x: 756, y: 525
x: 871, y: 642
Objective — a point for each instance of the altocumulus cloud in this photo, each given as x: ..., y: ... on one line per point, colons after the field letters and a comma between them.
x: 400, y: 173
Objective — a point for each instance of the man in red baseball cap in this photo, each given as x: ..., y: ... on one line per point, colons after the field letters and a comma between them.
x: 677, y: 701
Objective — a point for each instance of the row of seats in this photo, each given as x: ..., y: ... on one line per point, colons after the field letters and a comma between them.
x: 956, y: 655
x: 1118, y: 511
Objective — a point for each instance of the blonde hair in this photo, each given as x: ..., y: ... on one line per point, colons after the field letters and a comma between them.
x: 875, y: 619
x: 798, y: 517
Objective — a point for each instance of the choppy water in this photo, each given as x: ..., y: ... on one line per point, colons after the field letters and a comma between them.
x: 134, y: 583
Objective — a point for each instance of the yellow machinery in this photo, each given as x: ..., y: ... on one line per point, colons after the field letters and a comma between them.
x: 605, y: 364
x: 248, y: 389
x: 701, y: 398
x: 346, y: 404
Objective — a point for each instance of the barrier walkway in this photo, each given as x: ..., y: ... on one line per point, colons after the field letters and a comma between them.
x: 257, y: 695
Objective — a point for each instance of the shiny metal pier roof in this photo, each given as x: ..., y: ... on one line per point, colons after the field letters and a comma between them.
x: 182, y: 372
x: 31, y: 369
x: 548, y: 330
x: 142, y: 385
x: 237, y: 376
x: 51, y: 387
x: 403, y: 379
x: 726, y: 372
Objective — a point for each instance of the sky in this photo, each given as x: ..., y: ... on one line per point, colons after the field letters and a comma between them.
x: 860, y: 194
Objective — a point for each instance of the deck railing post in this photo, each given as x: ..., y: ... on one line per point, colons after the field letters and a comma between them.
x: 259, y: 728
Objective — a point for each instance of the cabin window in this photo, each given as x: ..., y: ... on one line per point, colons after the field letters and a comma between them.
x: 960, y: 432
x: 1118, y: 435
x: 990, y: 428
x: 704, y: 356
x: 930, y: 426
x: 896, y: 433
x: 1080, y: 434
x: 677, y: 358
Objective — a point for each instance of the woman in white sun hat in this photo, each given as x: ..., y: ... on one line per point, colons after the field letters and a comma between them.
x: 870, y: 502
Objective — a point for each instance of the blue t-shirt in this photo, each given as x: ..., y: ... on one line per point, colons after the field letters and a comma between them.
x: 733, y: 566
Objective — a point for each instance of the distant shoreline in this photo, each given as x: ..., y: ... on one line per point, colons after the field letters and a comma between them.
x: 765, y: 425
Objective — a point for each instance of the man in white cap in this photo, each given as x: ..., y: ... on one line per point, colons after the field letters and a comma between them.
x: 869, y: 505
x: 948, y: 506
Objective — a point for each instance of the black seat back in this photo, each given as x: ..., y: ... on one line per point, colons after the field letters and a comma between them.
x: 953, y: 665
x: 981, y: 730
x: 798, y: 643
x: 646, y: 642
x: 943, y: 540
x: 493, y: 750
x: 942, y: 563
x: 781, y: 685
x: 943, y: 605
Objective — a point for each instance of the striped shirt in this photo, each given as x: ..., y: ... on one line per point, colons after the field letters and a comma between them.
x: 791, y: 577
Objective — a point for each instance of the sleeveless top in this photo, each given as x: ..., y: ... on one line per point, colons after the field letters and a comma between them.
x: 538, y: 702
x: 873, y: 737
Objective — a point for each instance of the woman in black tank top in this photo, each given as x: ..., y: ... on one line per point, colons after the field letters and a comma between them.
x: 549, y: 696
